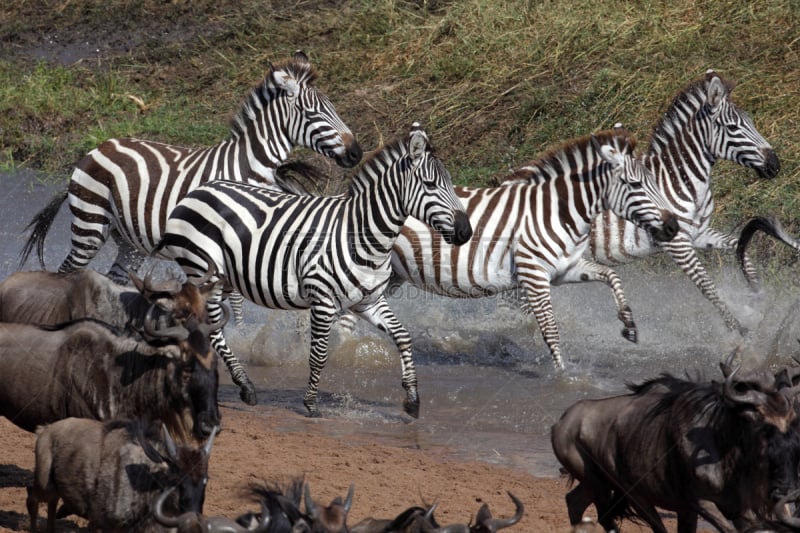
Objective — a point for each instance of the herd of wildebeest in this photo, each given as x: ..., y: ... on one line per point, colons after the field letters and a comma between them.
x: 120, y: 385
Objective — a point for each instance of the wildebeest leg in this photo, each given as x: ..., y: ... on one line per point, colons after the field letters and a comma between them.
x: 247, y: 392
x: 709, y: 511
x: 128, y: 258
x: 578, y: 500
x: 36, y: 495
x: 687, y: 522
x: 322, y: 318
x: 536, y: 285
x: 584, y: 271
x: 681, y: 251
x: 382, y: 317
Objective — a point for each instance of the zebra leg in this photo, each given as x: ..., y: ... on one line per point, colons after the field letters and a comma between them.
x: 382, y: 317
x: 247, y: 391
x: 536, y: 285
x: 584, y: 271
x: 681, y: 251
x: 322, y: 319
x: 236, y: 300
x: 710, y: 239
x: 126, y: 255
x: 84, y: 245
x: 347, y: 321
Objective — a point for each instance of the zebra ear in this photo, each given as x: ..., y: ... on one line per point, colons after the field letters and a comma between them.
x: 418, y: 142
x: 284, y: 80
x: 715, y: 91
x: 612, y: 156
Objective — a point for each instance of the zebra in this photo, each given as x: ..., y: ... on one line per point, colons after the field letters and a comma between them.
x: 769, y: 225
x: 326, y: 254
x: 701, y: 126
x: 532, y: 236
x: 127, y: 187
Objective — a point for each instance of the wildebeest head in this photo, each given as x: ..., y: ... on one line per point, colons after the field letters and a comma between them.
x: 198, y: 379
x: 193, y: 522
x: 187, y: 469
x: 331, y: 518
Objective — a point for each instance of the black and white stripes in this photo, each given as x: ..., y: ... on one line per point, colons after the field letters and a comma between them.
x: 326, y: 254
x: 127, y: 187
x: 701, y: 126
x: 532, y: 236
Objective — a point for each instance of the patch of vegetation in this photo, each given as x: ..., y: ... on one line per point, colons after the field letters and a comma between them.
x: 495, y: 83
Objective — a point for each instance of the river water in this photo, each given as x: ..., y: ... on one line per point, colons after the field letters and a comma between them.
x: 487, y: 386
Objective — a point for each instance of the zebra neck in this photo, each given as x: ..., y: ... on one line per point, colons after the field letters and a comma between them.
x: 680, y: 149
x: 259, y: 140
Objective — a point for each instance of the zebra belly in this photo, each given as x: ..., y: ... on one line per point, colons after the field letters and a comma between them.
x: 472, y: 270
x: 614, y: 240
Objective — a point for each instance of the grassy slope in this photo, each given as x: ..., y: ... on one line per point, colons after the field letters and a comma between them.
x: 495, y: 83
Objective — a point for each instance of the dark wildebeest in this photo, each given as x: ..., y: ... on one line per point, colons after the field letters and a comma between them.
x: 112, y: 474
x: 283, y: 504
x: 87, y: 369
x: 194, y: 522
x: 420, y: 520
x: 50, y: 298
x: 690, y: 447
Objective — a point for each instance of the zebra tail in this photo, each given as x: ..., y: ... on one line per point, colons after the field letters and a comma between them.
x: 769, y: 225
x: 41, y: 225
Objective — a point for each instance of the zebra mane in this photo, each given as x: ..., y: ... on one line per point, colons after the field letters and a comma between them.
x: 376, y: 161
x: 260, y: 95
x: 689, y: 97
x: 557, y: 160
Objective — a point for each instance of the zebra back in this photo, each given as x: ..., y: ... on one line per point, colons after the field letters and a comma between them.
x: 129, y: 186
x: 700, y: 126
x: 548, y: 216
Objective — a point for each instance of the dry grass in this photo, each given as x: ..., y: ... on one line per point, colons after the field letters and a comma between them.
x: 495, y: 83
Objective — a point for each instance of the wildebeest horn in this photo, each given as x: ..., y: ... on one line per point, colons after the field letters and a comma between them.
x: 178, y: 333
x: 348, y: 501
x: 311, y: 508
x: 493, y: 524
x: 727, y: 365
x: 211, y: 268
x: 148, y: 287
x: 210, y: 441
x: 780, y: 509
x: 158, y: 512
x: 169, y: 444
x: 752, y: 397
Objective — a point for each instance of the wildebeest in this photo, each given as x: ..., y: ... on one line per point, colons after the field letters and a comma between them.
x: 194, y: 522
x: 50, y: 298
x: 696, y: 448
x: 421, y: 520
x: 283, y: 504
x: 87, y: 369
x: 112, y: 474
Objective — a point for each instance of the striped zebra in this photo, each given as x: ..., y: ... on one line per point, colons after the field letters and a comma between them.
x: 701, y: 126
x: 326, y: 254
x: 127, y: 187
x: 532, y: 236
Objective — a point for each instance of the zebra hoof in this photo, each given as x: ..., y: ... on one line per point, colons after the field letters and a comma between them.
x: 630, y: 334
x: 412, y: 407
x: 313, y: 412
x: 248, y: 394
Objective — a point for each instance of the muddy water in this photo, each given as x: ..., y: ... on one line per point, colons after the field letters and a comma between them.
x: 487, y: 386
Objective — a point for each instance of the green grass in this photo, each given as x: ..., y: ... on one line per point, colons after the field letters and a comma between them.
x: 495, y: 83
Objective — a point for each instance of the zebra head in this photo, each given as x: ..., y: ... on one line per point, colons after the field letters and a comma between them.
x: 732, y: 134
x: 308, y: 115
x: 634, y: 194
x: 428, y: 194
